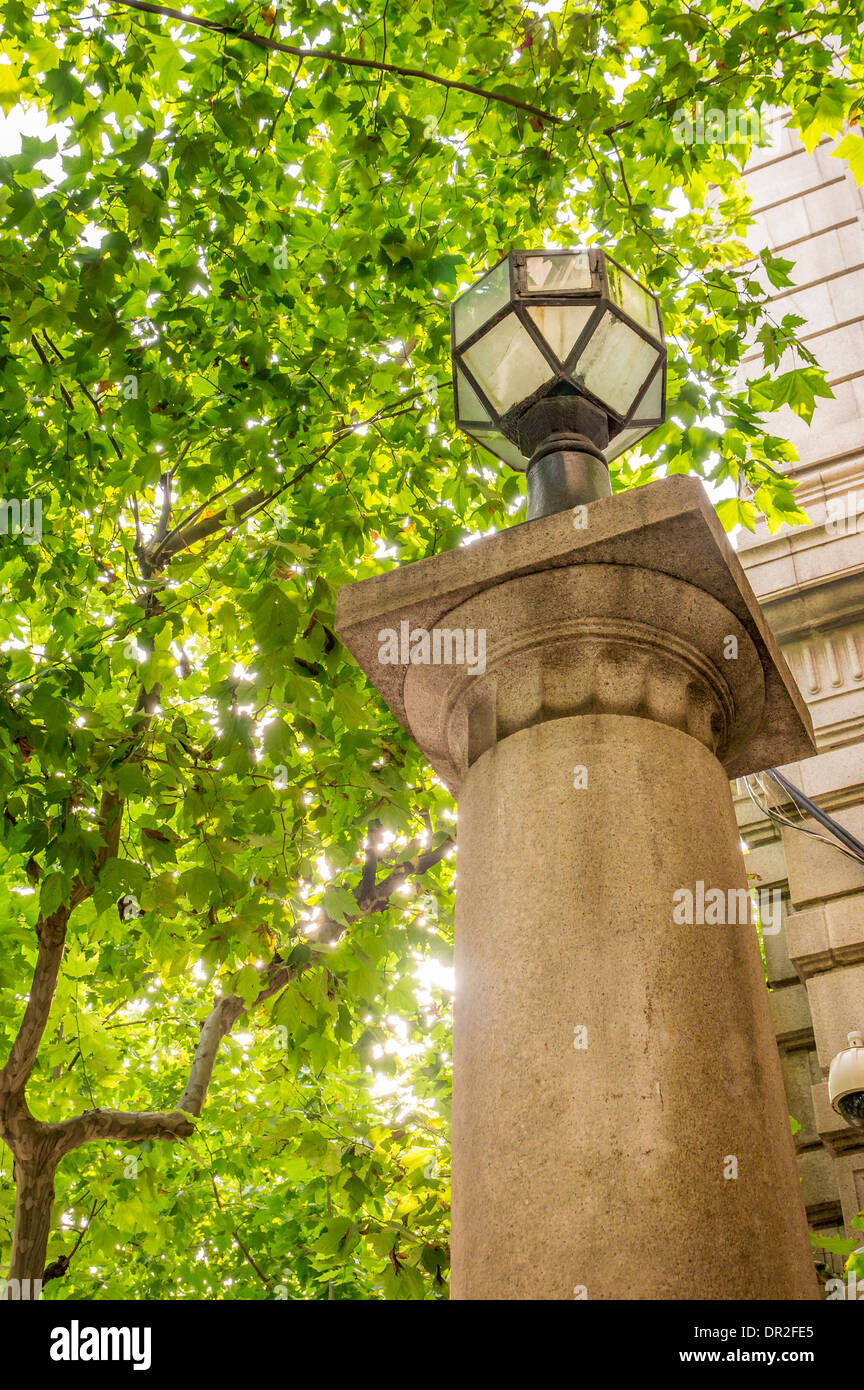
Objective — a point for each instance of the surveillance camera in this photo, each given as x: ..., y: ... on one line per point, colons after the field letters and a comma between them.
x: 846, y: 1082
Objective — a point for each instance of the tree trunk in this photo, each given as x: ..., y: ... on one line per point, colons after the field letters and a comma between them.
x: 34, y: 1201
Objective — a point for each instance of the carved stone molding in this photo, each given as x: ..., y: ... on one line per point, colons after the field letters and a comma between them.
x: 828, y: 663
x: 583, y: 640
x: 663, y: 534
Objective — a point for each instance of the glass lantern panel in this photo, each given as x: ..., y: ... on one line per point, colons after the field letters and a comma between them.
x: 475, y: 306
x: 503, y: 448
x: 614, y: 363
x: 468, y: 404
x: 636, y: 302
x: 561, y: 325
x: 625, y: 440
x: 558, y: 274
x: 651, y: 405
x: 507, y: 364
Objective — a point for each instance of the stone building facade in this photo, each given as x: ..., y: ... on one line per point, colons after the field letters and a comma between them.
x: 810, y: 581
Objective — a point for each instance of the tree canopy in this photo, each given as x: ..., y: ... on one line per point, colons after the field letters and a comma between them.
x: 229, y: 241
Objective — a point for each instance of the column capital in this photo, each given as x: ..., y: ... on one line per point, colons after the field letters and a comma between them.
x: 626, y: 605
x: 583, y: 640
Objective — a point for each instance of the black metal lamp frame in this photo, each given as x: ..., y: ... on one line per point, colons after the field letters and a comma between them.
x: 546, y: 433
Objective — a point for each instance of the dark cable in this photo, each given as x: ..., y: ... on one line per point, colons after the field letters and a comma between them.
x: 788, y: 824
x: 803, y: 801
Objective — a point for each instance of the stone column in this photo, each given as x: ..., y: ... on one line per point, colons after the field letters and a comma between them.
x: 620, y: 1128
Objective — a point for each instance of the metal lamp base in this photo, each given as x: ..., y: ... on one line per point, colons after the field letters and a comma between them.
x: 563, y: 436
x: 563, y: 479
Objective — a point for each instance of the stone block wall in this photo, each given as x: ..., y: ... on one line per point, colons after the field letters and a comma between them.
x: 810, y: 581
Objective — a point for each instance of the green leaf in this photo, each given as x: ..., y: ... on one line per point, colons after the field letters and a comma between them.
x: 52, y: 893
x: 835, y: 1245
x: 248, y: 984
x: 852, y: 148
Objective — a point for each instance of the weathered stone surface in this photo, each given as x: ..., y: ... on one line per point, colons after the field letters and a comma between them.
x: 819, y: 1184
x: 667, y: 529
x: 849, y: 1169
x: 589, y: 760
x: 800, y: 1070
x: 835, y: 998
x: 793, y: 1025
x: 564, y: 921
x: 778, y: 967
x: 817, y: 871
x: 589, y: 639
x: 828, y: 936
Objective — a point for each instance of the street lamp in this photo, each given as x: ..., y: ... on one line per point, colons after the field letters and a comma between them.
x: 559, y: 365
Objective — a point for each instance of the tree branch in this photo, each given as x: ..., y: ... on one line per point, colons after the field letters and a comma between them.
x: 165, y: 511
x: 208, y: 525
x: 236, y: 1234
x: 227, y: 1010
x: 135, y: 1126
x: 218, y: 1022
x: 185, y: 533
x: 59, y: 1268
x: 51, y: 934
x: 330, y: 55
x: 370, y: 863
x: 187, y: 520
x: 122, y: 1126
x: 380, y: 893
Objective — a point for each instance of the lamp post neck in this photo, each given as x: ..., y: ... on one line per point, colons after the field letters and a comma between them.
x: 564, y: 437
x: 566, y: 478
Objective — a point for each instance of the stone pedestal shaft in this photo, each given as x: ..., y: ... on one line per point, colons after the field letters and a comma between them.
x: 619, y: 1123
